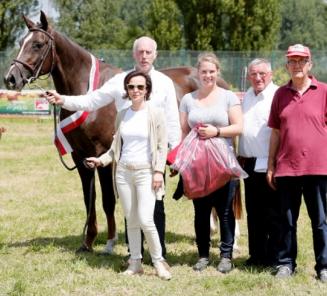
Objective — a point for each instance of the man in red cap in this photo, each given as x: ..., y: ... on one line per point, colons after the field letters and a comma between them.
x: 297, y: 163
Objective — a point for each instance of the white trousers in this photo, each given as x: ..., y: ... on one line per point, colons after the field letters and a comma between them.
x: 138, y: 200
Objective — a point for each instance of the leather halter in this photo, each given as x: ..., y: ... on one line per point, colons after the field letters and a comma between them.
x: 35, y: 71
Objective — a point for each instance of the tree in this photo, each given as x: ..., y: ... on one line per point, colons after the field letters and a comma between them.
x: 11, y: 22
x: 133, y: 16
x: 254, y: 25
x: 94, y: 24
x: 163, y: 23
x: 303, y: 22
x: 112, y: 24
x: 231, y: 24
x: 200, y: 23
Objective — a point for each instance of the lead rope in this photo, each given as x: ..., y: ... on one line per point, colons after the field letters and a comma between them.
x: 36, y: 86
x: 84, y: 246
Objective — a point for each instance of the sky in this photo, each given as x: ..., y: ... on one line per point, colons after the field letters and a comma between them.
x: 48, y: 7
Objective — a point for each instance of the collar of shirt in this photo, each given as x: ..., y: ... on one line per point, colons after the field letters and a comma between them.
x: 254, y: 140
x: 150, y: 72
x: 251, y: 99
x: 270, y: 89
x: 314, y: 83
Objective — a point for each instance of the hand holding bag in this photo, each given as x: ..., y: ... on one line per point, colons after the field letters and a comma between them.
x: 205, y: 164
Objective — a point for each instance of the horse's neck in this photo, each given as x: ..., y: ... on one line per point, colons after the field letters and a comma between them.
x: 71, y: 72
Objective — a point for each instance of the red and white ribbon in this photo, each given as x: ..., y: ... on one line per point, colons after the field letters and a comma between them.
x: 76, y: 119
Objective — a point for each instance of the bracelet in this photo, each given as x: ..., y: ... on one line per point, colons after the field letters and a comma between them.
x: 218, y: 132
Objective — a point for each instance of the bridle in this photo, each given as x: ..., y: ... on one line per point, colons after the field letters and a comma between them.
x: 35, y: 71
x: 35, y: 75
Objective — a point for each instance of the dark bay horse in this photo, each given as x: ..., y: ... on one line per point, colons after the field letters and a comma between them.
x: 45, y: 51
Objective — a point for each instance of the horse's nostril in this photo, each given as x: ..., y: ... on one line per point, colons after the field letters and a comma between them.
x: 10, y: 81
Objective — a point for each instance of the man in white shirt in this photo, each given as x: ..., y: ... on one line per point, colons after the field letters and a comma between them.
x: 253, y: 151
x: 163, y: 96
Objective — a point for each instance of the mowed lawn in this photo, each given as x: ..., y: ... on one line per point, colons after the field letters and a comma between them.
x: 42, y: 217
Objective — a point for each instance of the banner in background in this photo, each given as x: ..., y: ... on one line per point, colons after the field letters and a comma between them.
x: 23, y: 103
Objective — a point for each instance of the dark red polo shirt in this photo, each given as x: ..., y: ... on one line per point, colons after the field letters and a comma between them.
x: 302, y: 122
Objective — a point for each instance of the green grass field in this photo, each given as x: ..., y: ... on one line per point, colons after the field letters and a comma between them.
x: 42, y: 217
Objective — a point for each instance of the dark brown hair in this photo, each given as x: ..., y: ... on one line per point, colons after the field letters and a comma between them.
x: 148, y: 82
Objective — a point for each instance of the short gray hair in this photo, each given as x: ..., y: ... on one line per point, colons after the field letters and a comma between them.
x: 259, y: 61
x: 136, y: 42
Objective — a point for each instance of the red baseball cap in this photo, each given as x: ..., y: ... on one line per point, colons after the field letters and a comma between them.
x: 298, y: 50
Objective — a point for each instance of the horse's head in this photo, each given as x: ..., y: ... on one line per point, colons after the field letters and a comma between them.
x: 36, y: 55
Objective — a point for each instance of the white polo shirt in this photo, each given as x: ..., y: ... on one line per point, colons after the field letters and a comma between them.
x: 254, y: 140
x: 163, y: 96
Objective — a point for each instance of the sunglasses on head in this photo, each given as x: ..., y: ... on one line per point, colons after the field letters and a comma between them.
x: 133, y: 86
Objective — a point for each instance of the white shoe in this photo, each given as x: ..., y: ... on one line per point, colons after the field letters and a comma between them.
x: 109, y: 247
x: 162, y: 269
x: 134, y: 267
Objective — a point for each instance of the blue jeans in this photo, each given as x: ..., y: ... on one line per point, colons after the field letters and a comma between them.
x: 222, y: 201
x: 314, y: 191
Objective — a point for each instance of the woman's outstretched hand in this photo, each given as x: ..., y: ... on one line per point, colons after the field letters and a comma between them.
x: 53, y: 98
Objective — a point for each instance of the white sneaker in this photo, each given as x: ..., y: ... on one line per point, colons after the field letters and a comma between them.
x: 109, y: 247
x: 134, y: 267
x: 162, y: 269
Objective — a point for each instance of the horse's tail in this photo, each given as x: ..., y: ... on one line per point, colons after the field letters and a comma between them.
x: 237, y: 201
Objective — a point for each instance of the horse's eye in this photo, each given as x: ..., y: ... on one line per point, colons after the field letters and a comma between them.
x: 37, y: 45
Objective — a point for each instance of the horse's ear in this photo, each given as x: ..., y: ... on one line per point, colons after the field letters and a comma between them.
x: 28, y: 22
x: 44, y: 21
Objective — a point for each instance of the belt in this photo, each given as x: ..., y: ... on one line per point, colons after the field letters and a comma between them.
x: 138, y: 166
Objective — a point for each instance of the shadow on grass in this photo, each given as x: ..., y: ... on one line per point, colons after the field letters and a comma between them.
x: 47, y: 245
x: 240, y: 264
x: 117, y: 262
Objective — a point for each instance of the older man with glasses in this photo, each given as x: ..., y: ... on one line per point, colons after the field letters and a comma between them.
x: 297, y: 162
x: 260, y: 200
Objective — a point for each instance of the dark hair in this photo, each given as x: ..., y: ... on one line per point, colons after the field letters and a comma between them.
x: 148, y: 82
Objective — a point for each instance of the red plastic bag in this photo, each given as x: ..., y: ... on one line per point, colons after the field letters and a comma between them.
x: 206, y: 164
x: 171, y: 156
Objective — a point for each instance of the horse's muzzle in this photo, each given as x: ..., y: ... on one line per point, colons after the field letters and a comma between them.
x: 14, y: 80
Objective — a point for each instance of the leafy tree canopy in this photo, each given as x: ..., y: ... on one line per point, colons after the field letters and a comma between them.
x: 94, y: 24
x: 103, y: 24
x: 231, y: 25
x: 164, y: 24
x: 303, y: 22
x: 11, y: 23
x: 235, y: 25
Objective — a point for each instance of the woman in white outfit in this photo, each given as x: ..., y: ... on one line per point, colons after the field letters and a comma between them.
x: 138, y: 153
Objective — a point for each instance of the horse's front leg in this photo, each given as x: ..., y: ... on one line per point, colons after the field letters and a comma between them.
x: 108, y: 203
x: 87, y: 177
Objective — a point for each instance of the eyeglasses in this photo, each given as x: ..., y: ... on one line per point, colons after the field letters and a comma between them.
x: 261, y: 74
x: 133, y: 86
x: 299, y: 62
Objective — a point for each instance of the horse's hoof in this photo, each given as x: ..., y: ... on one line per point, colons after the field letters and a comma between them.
x: 84, y: 249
